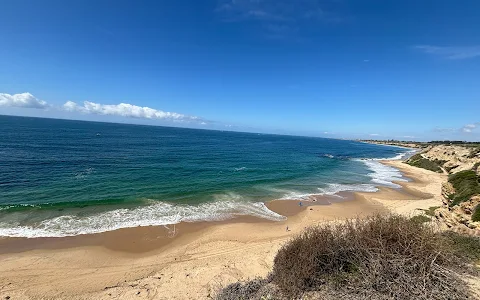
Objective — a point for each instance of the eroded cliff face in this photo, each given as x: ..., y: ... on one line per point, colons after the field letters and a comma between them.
x: 459, y: 217
x: 454, y: 158
x: 458, y: 206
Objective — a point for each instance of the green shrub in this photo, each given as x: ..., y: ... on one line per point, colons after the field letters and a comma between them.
x: 416, y: 157
x: 476, y: 214
x: 420, y: 219
x: 466, y: 184
x: 440, y: 162
x: 418, y: 161
x: 431, y: 211
x: 475, y: 166
x: 464, y: 246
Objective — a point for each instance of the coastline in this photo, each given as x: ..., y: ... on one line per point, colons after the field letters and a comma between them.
x: 405, y: 145
x: 147, y: 262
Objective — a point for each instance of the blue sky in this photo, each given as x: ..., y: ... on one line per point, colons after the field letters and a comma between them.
x: 333, y: 68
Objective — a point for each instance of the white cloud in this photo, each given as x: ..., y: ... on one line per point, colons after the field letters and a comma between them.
x: 374, y: 134
x: 470, y: 127
x: 126, y: 110
x: 451, y: 52
x: 465, y: 129
x: 71, y: 106
x: 443, y: 130
x: 25, y: 100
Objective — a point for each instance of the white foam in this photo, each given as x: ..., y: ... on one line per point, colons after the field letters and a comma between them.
x: 383, y: 174
x: 399, y: 156
x: 226, y: 206
x: 158, y: 214
x: 83, y: 174
x: 335, y: 188
x: 6, y: 207
x: 332, y: 189
x: 293, y: 195
x: 240, y: 169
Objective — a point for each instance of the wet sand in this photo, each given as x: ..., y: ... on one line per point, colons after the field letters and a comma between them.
x: 188, y: 260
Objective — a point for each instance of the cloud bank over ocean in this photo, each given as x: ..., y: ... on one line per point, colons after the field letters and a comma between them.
x: 115, y: 112
x: 27, y: 100
x: 126, y: 110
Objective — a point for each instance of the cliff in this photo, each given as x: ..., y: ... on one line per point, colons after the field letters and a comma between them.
x: 461, y: 209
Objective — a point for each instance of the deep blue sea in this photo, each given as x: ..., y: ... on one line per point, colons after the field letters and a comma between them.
x: 62, y: 178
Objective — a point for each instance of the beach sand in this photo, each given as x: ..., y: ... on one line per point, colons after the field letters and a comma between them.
x: 189, y: 260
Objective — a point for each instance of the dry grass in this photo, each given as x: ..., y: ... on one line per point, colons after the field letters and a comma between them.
x: 381, y: 257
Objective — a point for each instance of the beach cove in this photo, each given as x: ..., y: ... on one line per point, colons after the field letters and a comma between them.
x: 188, y: 260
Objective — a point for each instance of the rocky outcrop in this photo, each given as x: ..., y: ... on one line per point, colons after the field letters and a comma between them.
x: 458, y: 218
x: 453, y: 158
x: 457, y: 221
x: 447, y: 190
x: 468, y: 207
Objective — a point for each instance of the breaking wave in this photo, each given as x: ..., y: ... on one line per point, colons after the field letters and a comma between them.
x: 381, y: 175
x: 158, y: 214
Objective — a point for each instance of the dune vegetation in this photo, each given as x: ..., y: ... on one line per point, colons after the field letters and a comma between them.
x: 380, y: 257
x: 466, y: 184
x: 418, y: 161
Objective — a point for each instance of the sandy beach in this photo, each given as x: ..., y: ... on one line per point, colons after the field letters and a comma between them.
x: 189, y: 260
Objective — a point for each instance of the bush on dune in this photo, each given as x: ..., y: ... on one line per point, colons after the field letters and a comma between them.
x: 466, y: 184
x: 420, y: 162
x: 388, y: 255
x: 381, y: 257
x: 465, y: 246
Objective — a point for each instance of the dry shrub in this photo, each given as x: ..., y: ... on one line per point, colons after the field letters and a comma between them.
x: 381, y: 257
x: 256, y: 289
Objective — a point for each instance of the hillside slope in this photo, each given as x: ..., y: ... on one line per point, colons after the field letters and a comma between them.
x: 461, y: 209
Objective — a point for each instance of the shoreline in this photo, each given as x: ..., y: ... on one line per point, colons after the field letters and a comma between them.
x: 142, y: 239
x: 146, y: 262
x: 404, y: 145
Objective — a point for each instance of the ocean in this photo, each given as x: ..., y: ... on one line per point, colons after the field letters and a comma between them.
x: 64, y: 178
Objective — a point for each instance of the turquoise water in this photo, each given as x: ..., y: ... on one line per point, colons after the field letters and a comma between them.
x: 60, y: 178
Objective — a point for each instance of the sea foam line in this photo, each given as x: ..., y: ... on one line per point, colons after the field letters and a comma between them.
x: 227, y: 206
x: 158, y: 214
x: 381, y: 175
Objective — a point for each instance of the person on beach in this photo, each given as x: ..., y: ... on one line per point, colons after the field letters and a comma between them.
x: 287, y: 229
